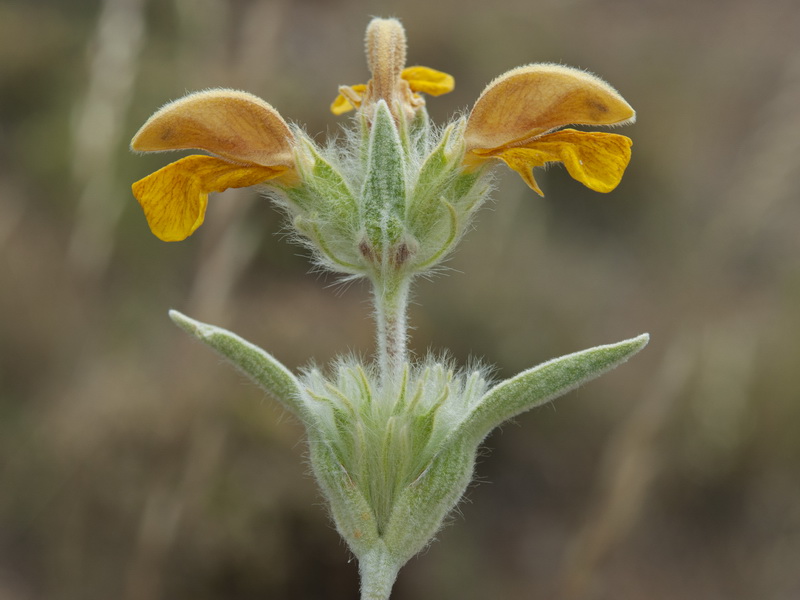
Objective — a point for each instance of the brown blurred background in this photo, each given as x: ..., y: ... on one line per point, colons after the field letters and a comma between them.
x: 135, y: 465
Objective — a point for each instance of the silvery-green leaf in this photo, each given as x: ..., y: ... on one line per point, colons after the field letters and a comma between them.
x: 544, y: 383
x: 251, y: 360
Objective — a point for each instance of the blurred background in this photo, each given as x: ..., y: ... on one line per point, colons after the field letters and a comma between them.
x: 136, y: 465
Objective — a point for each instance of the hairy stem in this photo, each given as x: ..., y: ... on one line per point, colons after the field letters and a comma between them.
x: 378, y: 573
x: 390, y: 296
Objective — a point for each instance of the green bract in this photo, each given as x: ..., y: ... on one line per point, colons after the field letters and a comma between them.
x: 392, y: 198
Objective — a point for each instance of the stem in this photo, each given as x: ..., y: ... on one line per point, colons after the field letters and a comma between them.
x: 378, y: 573
x: 390, y: 296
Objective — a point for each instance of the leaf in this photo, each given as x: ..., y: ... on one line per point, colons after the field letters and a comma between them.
x: 251, y: 360
x: 544, y: 383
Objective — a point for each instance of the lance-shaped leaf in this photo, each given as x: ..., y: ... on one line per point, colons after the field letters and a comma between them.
x: 544, y: 383
x: 251, y: 360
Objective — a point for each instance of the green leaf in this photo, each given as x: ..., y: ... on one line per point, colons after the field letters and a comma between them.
x: 544, y: 383
x: 251, y: 360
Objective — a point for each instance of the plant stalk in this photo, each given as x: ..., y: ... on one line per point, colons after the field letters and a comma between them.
x: 390, y: 297
x: 378, y: 572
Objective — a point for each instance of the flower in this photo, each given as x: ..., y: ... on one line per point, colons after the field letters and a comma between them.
x: 518, y: 117
x: 398, y: 86
x: 250, y: 141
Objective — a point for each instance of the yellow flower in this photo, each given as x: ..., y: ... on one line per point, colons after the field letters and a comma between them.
x: 398, y: 86
x: 518, y: 117
x: 250, y: 142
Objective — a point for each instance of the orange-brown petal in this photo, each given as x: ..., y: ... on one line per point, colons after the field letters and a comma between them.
x: 235, y: 125
x: 529, y: 101
x: 174, y: 198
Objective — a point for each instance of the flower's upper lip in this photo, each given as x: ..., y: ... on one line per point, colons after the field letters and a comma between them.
x: 386, y: 57
x: 530, y: 101
x: 231, y: 124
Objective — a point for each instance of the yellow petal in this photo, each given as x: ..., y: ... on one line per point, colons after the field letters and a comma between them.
x: 349, y: 97
x: 529, y: 101
x: 429, y: 81
x: 234, y: 125
x: 596, y: 159
x: 174, y: 198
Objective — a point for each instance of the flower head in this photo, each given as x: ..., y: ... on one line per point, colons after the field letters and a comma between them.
x: 398, y: 194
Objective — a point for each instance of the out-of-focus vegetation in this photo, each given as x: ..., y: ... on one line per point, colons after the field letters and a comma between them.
x: 134, y: 465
